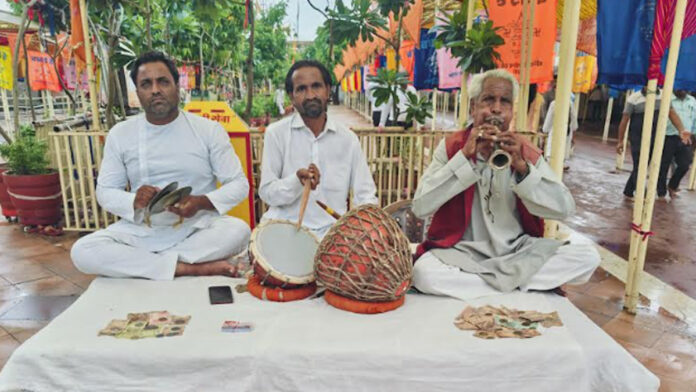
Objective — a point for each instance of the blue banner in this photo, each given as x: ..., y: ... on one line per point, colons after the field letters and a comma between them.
x: 624, y: 36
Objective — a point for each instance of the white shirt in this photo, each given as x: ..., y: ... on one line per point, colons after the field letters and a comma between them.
x: 289, y: 145
x: 388, y: 113
x: 192, y: 150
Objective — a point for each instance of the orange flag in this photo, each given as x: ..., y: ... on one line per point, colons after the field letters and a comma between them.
x: 77, y: 36
x: 508, y: 16
x: 42, y: 73
x: 412, y: 21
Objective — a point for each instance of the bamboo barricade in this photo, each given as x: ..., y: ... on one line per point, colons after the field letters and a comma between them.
x: 569, y: 36
x: 640, y: 231
x: 78, y: 157
x: 396, y: 158
x: 607, y: 120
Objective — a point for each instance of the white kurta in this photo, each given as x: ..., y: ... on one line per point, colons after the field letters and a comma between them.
x: 494, y: 245
x: 289, y: 146
x: 192, y: 150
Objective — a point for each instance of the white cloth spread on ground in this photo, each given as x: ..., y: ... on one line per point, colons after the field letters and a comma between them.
x: 289, y: 146
x: 192, y: 150
x: 494, y: 246
x: 311, y: 346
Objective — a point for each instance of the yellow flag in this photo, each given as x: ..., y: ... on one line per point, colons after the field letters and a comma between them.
x: 5, y: 68
x: 582, y: 77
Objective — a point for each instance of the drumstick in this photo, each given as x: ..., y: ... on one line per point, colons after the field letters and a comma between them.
x: 329, y: 210
x: 303, y: 202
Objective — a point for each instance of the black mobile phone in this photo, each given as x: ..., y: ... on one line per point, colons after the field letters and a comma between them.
x: 220, y: 295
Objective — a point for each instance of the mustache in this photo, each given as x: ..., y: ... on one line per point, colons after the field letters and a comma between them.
x: 494, y: 120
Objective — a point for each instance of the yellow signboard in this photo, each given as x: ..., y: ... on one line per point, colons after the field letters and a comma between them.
x: 238, y: 132
x: 5, y: 68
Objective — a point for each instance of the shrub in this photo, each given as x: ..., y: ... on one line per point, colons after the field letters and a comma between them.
x: 27, y: 154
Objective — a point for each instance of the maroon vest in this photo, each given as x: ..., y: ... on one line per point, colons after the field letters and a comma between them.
x: 451, y: 220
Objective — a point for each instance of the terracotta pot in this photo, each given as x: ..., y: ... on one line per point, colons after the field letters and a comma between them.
x: 6, y: 207
x: 36, y: 197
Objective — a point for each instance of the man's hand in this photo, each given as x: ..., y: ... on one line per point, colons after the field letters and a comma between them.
x: 511, y: 143
x: 311, y: 173
x: 685, y: 137
x: 190, y: 205
x: 143, y: 196
x: 482, y: 138
x: 619, y: 148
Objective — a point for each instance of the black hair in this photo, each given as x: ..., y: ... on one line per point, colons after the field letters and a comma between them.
x: 152, y: 57
x: 306, y: 63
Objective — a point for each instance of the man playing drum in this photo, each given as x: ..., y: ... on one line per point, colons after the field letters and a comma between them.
x: 308, y: 146
x: 484, y: 236
x: 147, y: 153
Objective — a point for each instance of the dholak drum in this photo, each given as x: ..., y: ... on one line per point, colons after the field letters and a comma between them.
x: 364, y: 262
x: 283, y: 258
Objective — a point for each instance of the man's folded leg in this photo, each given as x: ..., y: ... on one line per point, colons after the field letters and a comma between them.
x: 110, y: 254
x: 225, y: 237
x: 571, y: 264
x: 432, y: 276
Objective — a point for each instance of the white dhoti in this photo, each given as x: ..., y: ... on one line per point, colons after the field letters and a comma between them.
x: 571, y: 264
x: 115, y: 254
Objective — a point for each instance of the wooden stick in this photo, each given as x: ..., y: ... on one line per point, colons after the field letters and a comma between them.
x: 91, y: 79
x: 303, y: 202
x: 463, y: 92
x: 607, y: 120
x: 679, y: 16
x: 569, y: 37
x: 692, y: 175
x: 329, y: 210
x: 621, y: 157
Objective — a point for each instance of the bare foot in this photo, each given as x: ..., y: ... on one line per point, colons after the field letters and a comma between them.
x: 218, y: 267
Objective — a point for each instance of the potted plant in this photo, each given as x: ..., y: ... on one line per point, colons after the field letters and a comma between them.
x: 475, y: 48
x: 33, y: 188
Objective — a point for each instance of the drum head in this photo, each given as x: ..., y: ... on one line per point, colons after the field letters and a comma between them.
x: 286, y: 249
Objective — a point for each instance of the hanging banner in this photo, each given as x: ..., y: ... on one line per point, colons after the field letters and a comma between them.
x: 407, y: 56
x: 6, y: 68
x: 582, y: 74
x: 624, y: 34
x: 70, y: 76
x: 508, y: 16
x: 42, y: 73
x: 664, y: 20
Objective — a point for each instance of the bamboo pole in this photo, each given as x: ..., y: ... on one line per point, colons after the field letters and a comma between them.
x: 620, y: 158
x: 607, y: 120
x: 520, y: 104
x: 672, y: 59
x: 71, y: 178
x: 434, y: 120
x: 93, y: 97
x: 6, y: 111
x: 528, y: 60
x: 692, y: 175
x: 569, y: 36
x: 464, y: 94
x: 55, y: 139
x: 638, y: 204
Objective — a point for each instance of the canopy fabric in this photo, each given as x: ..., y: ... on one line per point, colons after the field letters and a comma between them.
x: 664, y: 20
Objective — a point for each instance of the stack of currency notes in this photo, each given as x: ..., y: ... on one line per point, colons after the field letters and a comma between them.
x: 157, y: 324
x: 490, y: 322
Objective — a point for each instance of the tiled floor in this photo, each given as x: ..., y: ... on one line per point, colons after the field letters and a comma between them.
x: 38, y: 281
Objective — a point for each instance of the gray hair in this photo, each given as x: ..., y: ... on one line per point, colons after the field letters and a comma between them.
x: 476, y: 83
